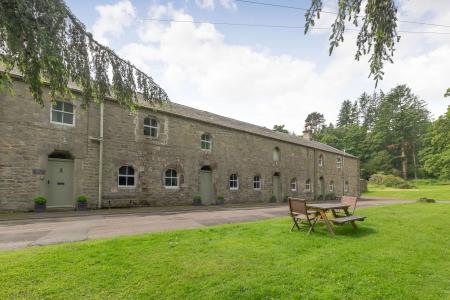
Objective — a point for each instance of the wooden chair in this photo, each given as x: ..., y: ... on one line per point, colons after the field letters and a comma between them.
x: 299, y: 213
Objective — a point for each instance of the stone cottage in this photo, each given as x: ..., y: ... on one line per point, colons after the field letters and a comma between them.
x: 156, y: 156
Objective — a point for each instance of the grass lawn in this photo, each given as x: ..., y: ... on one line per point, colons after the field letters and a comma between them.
x: 434, y: 190
x: 399, y: 252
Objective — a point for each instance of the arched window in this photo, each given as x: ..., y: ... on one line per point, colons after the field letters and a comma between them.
x: 276, y: 154
x: 171, y: 178
x: 293, y: 184
x: 205, y: 141
x: 308, y: 185
x: 346, y: 187
x: 150, y: 127
x: 126, y: 177
x: 256, y: 182
x: 320, y: 160
x: 338, y: 162
x: 331, y: 186
x: 234, y: 182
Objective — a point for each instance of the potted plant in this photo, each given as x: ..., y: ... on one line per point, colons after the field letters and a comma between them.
x: 197, y: 200
x: 40, y: 204
x: 82, y: 202
x: 220, y: 200
x: 273, y: 199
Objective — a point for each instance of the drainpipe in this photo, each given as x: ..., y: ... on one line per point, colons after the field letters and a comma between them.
x: 100, y: 158
x: 314, y: 174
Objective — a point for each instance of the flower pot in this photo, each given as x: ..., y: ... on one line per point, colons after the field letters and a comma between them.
x: 81, y: 205
x: 197, y: 202
x: 40, y: 207
x: 220, y: 201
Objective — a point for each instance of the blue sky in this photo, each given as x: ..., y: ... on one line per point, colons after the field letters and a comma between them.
x: 265, y: 76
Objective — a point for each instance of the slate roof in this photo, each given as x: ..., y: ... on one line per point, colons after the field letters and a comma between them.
x: 204, y: 116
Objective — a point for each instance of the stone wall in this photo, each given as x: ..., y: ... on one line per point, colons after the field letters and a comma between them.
x: 27, y: 138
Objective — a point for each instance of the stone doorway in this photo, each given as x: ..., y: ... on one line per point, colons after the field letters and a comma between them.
x: 60, y: 180
x: 206, y: 185
x: 276, y: 182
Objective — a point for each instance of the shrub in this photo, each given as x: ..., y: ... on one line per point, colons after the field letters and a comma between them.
x: 390, y: 181
x: 220, y: 197
x: 197, y: 200
x: 273, y: 199
x: 330, y: 196
x: 285, y: 199
x: 82, y: 199
x: 426, y: 200
x: 40, y: 200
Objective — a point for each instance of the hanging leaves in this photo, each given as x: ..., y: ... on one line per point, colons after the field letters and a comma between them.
x: 378, y: 33
x: 49, y: 46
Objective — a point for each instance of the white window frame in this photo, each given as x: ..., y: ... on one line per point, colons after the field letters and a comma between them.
x: 293, y: 185
x: 52, y: 109
x: 126, y: 177
x: 339, y: 162
x: 308, y: 185
x: 171, y: 177
x: 258, y: 182
x: 321, y: 161
x: 230, y: 180
x: 331, y: 187
x: 150, y: 127
x: 206, y: 142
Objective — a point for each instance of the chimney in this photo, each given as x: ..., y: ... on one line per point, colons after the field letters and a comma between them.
x: 307, y: 134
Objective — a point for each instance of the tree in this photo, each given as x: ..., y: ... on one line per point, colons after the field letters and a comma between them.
x: 280, y: 128
x: 401, y: 120
x: 48, y: 45
x: 348, y: 114
x: 436, y: 155
x: 378, y: 33
x: 314, y: 121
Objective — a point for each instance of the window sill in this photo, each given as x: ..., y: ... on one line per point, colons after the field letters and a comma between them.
x: 62, y: 124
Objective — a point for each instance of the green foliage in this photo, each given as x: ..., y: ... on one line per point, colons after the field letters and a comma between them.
x: 426, y: 200
x: 438, y: 190
x: 378, y: 33
x: 330, y: 196
x: 436, y: 156
x: 314, y: 121
x: 273, y: 199
x: 390, y: 181
x: 46, y: 43
x: 197, y: 197
x: 220, y: 197
x: 40, y: 200
x: 81, y: 199
x: 280, y: 128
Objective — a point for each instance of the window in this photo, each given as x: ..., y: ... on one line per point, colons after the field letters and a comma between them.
x: 234, y: 182
x: 62, y: 113
x: 171, y: 179
x: 293, y: 184
x: 276, y: 154
x: 331, y: 186
x: 308, y: 185
x: 320, y: 160
x: 150, y: 127
x: 338, y: 162
x: 126, y: 176
x: 205, y: 141
x: 256, y: 182
x: 346, y: 187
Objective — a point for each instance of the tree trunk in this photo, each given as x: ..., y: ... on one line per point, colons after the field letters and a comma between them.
x: 404, y: 160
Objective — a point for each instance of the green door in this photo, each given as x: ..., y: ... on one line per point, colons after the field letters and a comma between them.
x: 206, y: 187
x: 276, y: 187
x: 60, y: 183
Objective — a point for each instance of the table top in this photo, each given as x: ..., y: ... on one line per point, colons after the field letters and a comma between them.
x: 327, y: 206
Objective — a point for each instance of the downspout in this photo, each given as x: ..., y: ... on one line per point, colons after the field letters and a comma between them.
x: 315, y: 174
x: 100, y: 158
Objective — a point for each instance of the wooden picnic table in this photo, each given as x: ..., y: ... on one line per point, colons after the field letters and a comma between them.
x: 322, y: 208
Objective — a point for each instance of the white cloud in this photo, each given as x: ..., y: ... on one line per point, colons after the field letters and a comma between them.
x: 113, y: 19
x: 197, y: 67
x: 210, y: 4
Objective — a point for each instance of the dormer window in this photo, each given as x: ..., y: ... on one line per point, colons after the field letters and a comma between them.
x: 62, y: 113
x: 276, y: 154
x: 205, y: 141
x: 320, y: 160
x: 151, y: 127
